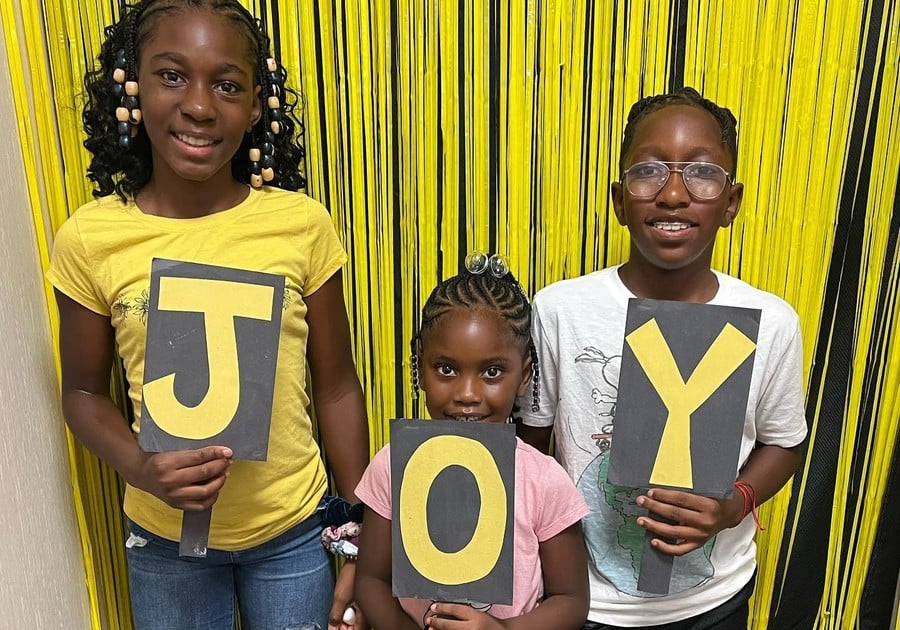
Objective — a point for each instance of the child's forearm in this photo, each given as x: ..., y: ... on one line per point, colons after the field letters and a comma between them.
x: 98, y: 424
x: 768, y: 468
x: 381, y: 608
x: 345, y: 436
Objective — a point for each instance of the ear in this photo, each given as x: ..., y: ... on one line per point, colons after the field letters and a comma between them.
x: 735, y: 196
x: 526, y: 376
x: 618, y: 200
x: 256, y: 110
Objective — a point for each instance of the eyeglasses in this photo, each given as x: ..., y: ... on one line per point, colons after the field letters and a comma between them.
x: 703, y: 180
x: 479, y: 262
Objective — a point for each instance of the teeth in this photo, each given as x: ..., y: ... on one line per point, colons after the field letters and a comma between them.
x: 467, y: 418
x: 671, y: 226
x: 194, y: 142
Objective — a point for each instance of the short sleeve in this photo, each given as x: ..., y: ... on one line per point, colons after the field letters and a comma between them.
x: 780, y: 414
x: 374, y: 488
x: 326, y: 254
x: 562, y: 505
x: 71, y: 271
x: 548, y: 373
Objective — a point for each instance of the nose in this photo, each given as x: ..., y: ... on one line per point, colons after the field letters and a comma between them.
x: 198, y: 102
x: 468, y: 391
x: 674, y: 193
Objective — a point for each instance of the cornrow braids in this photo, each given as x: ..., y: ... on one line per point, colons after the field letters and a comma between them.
x: 682, y: 96
x: 125, y: 172
x: 470, y: 291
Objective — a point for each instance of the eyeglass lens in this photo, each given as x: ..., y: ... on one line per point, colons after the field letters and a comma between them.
x: 702, y: 180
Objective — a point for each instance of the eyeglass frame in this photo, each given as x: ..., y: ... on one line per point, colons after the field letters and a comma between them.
x: 729, y: 177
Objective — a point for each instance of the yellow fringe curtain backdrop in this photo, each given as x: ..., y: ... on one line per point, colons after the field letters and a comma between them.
x: 436, y: 127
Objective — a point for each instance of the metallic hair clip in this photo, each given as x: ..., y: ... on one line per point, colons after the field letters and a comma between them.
x: 478, y: 262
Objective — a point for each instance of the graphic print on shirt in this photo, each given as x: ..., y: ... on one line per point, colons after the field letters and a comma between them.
x: 137, y: 307
x: 615, y: 541
x: 211, y: 354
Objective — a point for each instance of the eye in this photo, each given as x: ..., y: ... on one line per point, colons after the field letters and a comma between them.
x: 169, y: 76
x: 493, y: 372
x: 647, y: 170
x: 704, y: 170
x: 229, y: 87
x: 444, y: 370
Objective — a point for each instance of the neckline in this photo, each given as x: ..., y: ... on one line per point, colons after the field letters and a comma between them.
x: 626, y: 294
x: 179, y: 224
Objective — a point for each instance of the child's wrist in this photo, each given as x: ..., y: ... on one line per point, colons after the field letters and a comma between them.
x: 747, y: 495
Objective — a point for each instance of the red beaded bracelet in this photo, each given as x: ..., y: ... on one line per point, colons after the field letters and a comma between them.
x: 749, y: 495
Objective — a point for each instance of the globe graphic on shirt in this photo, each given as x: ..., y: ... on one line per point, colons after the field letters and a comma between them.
x: 615, y: 541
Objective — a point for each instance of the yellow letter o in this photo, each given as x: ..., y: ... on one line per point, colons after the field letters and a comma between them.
x: 479, y: 556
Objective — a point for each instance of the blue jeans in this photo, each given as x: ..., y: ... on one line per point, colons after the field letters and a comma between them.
x: 284, y: 584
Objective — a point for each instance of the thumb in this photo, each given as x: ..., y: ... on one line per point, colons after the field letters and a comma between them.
x: 336, y: 614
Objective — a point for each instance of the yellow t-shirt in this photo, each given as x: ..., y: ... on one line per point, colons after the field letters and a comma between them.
x: 102, y: 259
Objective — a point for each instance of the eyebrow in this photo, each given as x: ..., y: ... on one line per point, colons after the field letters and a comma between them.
x: 178, y: 58
x: 694, y: 152
x: 484, y: 361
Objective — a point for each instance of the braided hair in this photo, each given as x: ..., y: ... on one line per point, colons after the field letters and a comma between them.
x: 470, y: 291
x: 682, y: 96
x: 126, y: 171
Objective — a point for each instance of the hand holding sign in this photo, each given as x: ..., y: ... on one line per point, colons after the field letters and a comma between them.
x: 683, y: 391
x: 186, y: 480
x: 445, y: 616
x: 697, y: 518
x: 209, y: 380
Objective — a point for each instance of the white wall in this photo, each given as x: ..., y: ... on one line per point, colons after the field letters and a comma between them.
x: 42, y: 577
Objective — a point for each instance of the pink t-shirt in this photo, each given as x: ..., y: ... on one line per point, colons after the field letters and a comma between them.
x: 546, y: 504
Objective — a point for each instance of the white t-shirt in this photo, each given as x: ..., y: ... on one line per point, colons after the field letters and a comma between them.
x: 579, y: 327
